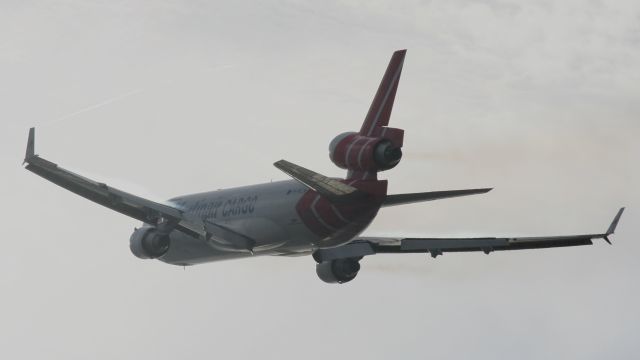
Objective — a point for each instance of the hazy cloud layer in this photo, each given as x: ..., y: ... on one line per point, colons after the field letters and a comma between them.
x: 538, y: 99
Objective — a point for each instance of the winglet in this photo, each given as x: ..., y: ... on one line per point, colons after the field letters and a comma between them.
x: 614, y: 223
x: 612, y: 227
x: 30, y: 146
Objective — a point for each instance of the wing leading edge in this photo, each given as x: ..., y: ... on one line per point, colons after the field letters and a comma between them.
x: 364, y: 246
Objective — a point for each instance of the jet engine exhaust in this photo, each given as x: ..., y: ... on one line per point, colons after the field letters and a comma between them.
x: 386, y: 155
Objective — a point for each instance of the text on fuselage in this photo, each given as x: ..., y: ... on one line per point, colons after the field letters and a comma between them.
x: 236, y: 206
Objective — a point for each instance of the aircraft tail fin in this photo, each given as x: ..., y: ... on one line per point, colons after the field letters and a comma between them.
x: 401, y: 199
x: 380, y: 109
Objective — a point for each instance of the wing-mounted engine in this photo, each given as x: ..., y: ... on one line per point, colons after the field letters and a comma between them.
x: 149, y: 243
x: 380, y: 151
x: 338, y: 271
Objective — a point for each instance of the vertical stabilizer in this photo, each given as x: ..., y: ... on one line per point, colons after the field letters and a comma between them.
x: 380, y: 109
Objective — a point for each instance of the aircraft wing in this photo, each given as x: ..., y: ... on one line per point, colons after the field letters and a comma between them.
x: 134, y: 206
x: 363, y: 246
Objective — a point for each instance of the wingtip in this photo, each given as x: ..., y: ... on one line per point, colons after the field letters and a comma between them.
x: 279, y: 163
x: 480, y: 190
x: 30, y: 145
x: 614, y: 223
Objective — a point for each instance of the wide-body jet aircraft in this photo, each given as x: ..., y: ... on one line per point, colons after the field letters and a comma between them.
x: 309, y: 215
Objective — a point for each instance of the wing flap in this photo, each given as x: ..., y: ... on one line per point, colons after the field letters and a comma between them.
x: 438, y: 246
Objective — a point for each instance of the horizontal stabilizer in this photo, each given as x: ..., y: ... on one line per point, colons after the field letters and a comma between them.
x: 332, y: 189
x: 401, y: 199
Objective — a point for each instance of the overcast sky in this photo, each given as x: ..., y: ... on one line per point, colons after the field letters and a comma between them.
x: 539, y: 99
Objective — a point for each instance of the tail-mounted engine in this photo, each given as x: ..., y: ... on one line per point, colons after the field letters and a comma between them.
x: 376, y: 147
x: 382, y: 150
x: 149, y: 243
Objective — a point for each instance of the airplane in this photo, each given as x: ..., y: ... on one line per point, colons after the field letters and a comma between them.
x: 311, y: 214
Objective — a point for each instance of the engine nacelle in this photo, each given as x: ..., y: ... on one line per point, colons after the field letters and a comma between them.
x: 338, y: 271
x: 148, y: 243
x: 378, y: 152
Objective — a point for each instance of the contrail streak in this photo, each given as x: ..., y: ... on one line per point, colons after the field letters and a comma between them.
x: 125, y: 95
x: 95, y: 106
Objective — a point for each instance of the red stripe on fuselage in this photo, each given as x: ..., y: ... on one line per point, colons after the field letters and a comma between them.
x: 325, y: 218
x: 303, y: 208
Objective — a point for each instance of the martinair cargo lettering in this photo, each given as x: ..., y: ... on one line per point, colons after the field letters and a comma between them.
x: 309, y: 215
x: 221, y: 208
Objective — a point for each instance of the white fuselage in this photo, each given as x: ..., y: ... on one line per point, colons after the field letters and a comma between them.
x: 265, y: 213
